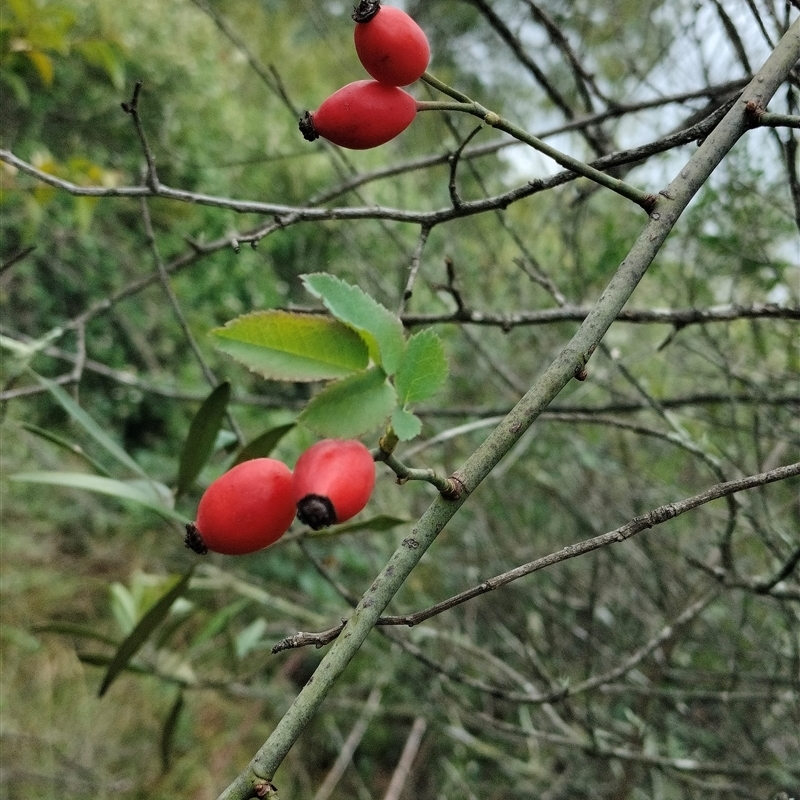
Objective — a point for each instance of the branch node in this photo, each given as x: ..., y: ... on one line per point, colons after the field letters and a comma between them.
x: 753, y: 113
x: 649, y: 203
x: 453, y: 489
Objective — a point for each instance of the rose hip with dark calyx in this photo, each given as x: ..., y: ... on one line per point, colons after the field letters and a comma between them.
x: 332, y: 482
x: 246, y: 509
x: 361, y: 115
x: 389, y: 44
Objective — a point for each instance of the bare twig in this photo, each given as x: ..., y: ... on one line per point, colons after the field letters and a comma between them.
x: 132, y: 107
x: 403, y: 768
x: 348, y: 750
x: 643, y: 522
x: 290, y: 215
x: 178, y: 313
x: 26, y: 251
x: 691, y: 765
x: 679, y: 317
x: 416, y: 260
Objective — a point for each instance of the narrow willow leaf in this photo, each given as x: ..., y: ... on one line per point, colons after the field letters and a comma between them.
x: 352, y: 306
x: 380, y: 523
x: 225, y: 441
x: 168, y: 731
x: 142, y: 492
x: 352, y: 406
x: 123, y: 607
x: 405, y: 424
x: 98, y: 660
x: 72, y: 447
x: 263, y: 445
x: 91, y: 426
x: 284, y: 346
x: 200, y: 440
x: 250, y: 638
x: 219, y: 621
x: 74, y: 629
x: 423, y: 369
x: 140, y: 634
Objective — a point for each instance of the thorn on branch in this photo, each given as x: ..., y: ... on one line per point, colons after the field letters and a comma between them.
x: 753, y: 111
x: 649, y: 203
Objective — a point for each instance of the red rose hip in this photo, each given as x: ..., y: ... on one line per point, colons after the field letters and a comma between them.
x: 247, y: 508
x: 332, y: 482
x: 390, y: 45
x: 361, y: 115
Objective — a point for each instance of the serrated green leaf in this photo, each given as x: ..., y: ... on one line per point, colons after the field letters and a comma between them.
x: 143, y: 492
x: 202, y: 436
x: 284, y: 346
x: 139, y: 635
x: 352, y: 406
x: 405, y: 424
x: 263, y: 445
x: 90, y: 426
x: 423, y: 369
x: 353, y: 307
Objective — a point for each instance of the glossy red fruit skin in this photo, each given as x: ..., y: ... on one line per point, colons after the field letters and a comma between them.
x: 361, y: 115
x: 332, y: 482
x: 247, y: 508
x: 392, y: 47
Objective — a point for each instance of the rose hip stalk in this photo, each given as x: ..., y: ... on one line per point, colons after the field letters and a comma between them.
x: 247, y: 508
x: 333, y: 481
x: 361, y: 115
x: 390, y: 45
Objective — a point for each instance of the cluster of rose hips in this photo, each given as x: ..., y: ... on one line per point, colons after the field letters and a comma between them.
x: 394, y: 50
x: 253, y: 504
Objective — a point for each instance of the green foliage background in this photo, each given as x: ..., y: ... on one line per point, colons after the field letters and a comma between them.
x: 79, y: 570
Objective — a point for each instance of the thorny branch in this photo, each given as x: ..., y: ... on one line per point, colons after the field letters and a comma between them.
x: 474, y: 471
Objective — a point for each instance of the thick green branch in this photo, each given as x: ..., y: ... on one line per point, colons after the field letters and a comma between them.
x: 467, y: 106
x: 668, y: 207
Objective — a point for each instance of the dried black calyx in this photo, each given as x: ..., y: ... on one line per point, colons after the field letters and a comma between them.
x: 316, y: 511
x: 194, y: 541
x: 307, y: 127
x: 366, y: 10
